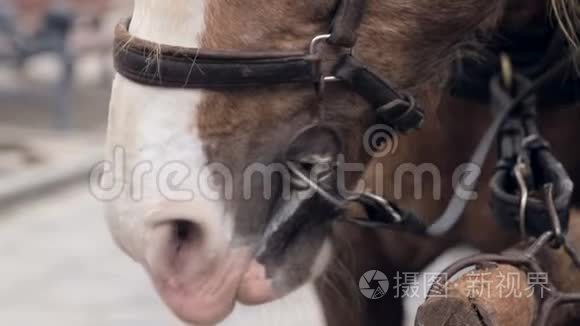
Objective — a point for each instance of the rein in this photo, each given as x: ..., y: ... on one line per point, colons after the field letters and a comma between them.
x: 151, y: 64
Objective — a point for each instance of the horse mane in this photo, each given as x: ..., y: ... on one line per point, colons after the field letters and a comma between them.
x: 567, y: 15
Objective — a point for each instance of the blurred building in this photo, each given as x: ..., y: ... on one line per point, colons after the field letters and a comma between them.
x: 60, y: 266
x: 55, y: 62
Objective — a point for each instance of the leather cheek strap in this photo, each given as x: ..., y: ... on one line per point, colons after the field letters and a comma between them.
x: 392, y: 108
x: 347, y: 21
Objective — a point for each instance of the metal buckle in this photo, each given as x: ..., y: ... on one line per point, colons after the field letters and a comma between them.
x: 317, y: 40
x: 313, y: 50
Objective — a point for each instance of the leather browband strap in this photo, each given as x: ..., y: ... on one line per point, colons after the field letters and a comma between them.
x: 178, y: 67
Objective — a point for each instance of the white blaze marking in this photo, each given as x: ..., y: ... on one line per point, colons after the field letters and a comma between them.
x: 156, y: 126
x: 157, y: 130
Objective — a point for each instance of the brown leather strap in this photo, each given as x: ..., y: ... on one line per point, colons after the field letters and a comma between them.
x: 176, y: 67
x: 346, y: 22
x: 152, y: 64
x: 392, y: 108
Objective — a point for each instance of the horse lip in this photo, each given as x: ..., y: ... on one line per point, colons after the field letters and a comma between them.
x: 208, y: 298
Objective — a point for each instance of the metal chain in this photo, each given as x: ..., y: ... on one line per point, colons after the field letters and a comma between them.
x: 526, y: 259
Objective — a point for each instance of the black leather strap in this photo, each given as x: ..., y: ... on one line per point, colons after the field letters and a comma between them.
x: 381, y: 213
x: 532, y: 51
x: 175, y: 67
x: 392, y: 108
x: 457, y: 205
x: 347, y: 21
x: 519, y: 138
x: 178, y: 67
x: 505, y: 199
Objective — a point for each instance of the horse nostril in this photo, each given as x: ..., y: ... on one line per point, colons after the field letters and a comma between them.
x: 185, y: 233
x: 182, y: 245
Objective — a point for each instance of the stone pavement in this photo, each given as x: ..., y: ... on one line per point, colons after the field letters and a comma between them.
x: 59, y: 267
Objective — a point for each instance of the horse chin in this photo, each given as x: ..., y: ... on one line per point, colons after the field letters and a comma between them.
x: 202, y: 297
x: 194, y: 306
x: 209, y: 299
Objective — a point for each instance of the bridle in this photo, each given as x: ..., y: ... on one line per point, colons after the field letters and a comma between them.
x: 194, y: 68
x: 525, y: 161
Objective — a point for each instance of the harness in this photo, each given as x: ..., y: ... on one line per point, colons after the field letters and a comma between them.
x: 525, y: 159
x: 194, y: 68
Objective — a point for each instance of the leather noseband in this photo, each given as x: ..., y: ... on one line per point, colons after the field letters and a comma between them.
x: 151, y: 64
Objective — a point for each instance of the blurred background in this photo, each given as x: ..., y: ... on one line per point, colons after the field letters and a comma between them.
x: 57, y: 262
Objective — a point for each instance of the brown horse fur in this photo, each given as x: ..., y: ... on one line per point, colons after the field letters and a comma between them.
x: 419, y: 39
x: 460, y: 125
x: 411, y: 42
x: 416, y: 42
x: 447, y: 141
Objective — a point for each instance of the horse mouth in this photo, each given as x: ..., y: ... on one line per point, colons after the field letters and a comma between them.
x: 209, y: 298
x: 202, y: 286
x: 239, y: 277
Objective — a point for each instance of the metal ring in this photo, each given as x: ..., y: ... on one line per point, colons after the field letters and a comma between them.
x: 314, y: 50
x: 383, y: 202
x: 302, y: 177
x: 317, y: 40
x: 507, y: 71
x: 519, y: 171
x: 553, y: 213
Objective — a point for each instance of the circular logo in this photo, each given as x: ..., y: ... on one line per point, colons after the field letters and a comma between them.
x: 380, y: 141
x: 373, y: 284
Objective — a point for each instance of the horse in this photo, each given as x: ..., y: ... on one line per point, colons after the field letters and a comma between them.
x: 199, y: 190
